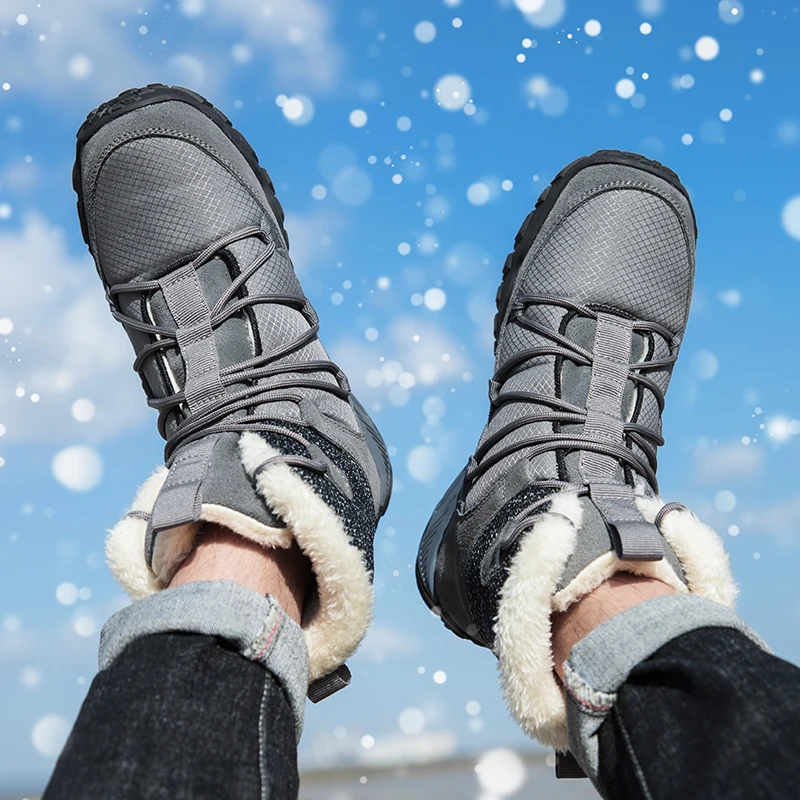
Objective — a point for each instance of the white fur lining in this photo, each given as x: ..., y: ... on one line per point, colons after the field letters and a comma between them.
x: 522, y: 630
x: 528, y: 598
x: 125, y: 541
x: 343, y: 613
x: 337, y: 623
x: 699, y: 549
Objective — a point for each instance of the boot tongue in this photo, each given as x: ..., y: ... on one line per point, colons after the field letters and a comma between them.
x: 540, y: 375
x: 233, y: 339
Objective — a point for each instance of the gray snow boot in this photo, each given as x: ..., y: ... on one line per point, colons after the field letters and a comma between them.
x: 561, y: 492
x: 263, y: 435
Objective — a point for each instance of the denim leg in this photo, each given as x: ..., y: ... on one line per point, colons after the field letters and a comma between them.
x: 200, y: 695
x: 677, y: 697
x: 710, y: 715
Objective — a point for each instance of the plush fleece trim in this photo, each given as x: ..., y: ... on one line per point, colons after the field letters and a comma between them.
x: 699, y: 549
x: 125, y: 541
x: 522, y: 629
x: 342, y: 614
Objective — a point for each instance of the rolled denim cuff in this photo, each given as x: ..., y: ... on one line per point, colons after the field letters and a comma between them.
x: 254, y: 625
x: 600, y: 663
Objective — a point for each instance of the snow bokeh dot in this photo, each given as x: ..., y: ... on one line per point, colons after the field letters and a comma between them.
x: 424, y: 463
x: 791, y: 217
x: 80, y: 67
x: 592, y: 27
x: 452, y: 92
x: 84, y: 625
x: 78, y: 468
x: 435, y: 299
x: 192, y: 8
x: 542, y: 13
x: 49, y: 735
x: 299, y: 110
x: 529, y: 6
x: 67, y: 593
x: 706, y: 48
x: 241, y: 53
x: 30, y: 677
x: 501, y: 772
x: 731, y: 11
x: 625, y: 88
x: 411, y: 721
x: 705, y: 365
x: 425, y: 32
x: 83, y: 410
x: 358, y: 118
x: 478, y: 194
x: 725, y: 501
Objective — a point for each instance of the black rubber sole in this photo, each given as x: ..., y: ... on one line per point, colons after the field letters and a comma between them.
x: 132, y: 99
x: 544, y: 205
x: 436, y: 529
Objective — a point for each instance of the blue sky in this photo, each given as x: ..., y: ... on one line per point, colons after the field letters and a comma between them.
x: 400, y: 217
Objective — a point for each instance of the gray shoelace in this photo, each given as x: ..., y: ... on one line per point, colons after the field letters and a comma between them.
x: 218, y: 416
x: 566, y: 413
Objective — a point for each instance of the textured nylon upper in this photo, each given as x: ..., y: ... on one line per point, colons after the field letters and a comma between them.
x: 159, y: 198
x: 161, y: 184
x: 620, y: 241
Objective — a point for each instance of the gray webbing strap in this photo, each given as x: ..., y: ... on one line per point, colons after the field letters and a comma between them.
x: 198, y: 348
x: 180, y: 498
x: 635, y: 538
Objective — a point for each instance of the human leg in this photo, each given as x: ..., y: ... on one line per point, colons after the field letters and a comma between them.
x: 264, y: 439
x: 202, y: 686
x: 561, y: 493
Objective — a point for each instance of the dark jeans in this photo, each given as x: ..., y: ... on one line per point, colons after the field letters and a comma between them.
x: 709, y: 715
x: 181, y: 716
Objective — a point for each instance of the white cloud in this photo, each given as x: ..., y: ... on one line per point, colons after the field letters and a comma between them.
x: 729, y: 461
x: 308, y: 236
x: 781, y: 518
x: 88, y: 55
x: 67, y: 346
x: 384, y: 642
x: 85, y: 49
x: 346, y: 747
x: 297, y: 34
x: 422, y: 748
x: 415, y: 353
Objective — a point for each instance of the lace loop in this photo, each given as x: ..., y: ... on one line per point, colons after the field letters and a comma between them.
x: 562, y: 412
x: 218, y: 416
